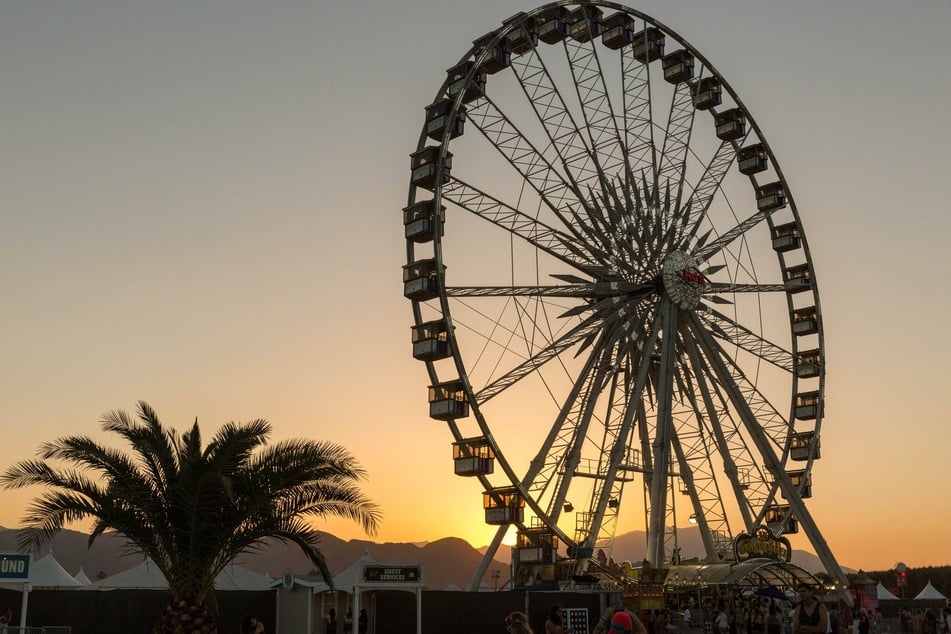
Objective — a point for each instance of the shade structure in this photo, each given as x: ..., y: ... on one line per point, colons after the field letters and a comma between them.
x: 147, y: 576
x: 929, y: 593
x: 45, y: 572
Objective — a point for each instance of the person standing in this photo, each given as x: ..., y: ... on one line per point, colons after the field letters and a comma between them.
x: 517, y: 623
x: 332, y: 621
x: 810, y: 616
x: 555, y: 624
x: 774, y: 620
x: 363, y: 623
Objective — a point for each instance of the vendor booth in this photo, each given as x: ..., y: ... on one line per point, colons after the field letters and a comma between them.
x: 305, y: 603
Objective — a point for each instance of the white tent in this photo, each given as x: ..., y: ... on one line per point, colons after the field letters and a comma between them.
x: 147, y: 576
x: 45, y: 572
x: 82, y: 578
x: 882, y: 593
x: 930, y: 593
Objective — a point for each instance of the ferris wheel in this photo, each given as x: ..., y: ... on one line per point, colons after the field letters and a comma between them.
x: 612, y: 292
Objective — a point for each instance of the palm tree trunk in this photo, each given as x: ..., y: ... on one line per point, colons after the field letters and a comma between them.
x: 185, y: 617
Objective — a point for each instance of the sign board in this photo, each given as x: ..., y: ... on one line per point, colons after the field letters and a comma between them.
x: 761, y: 544
x: 287, y: 580
x: 392, y: 574
x: 14, y: 567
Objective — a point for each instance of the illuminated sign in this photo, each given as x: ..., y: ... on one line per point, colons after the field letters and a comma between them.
x: 693, y: 276
x: 761, y: 544
x: 392, y: 574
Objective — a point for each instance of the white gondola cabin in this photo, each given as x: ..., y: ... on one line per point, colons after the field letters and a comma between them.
x: 553, y: 25
x: 730, y: 124
x: 431, y: 341
x: 448, y: 401
x: 808, y: 405
x: 459, y: 81
x: 648, y: 45
x: 774, y: 520
x: 800, y: 478
x: 503, y: 506
x: 678, y: 66
x: 798, y: 278
x: 423, y: 165
x: 617, y: 31
x: 421, y: 280
x: 786, y: 237
x: 805, y: 321
x: 807, y: 365
x: 473, y: 457
x: 422, y: 221
x: 499, y: 56
x: 439, y: 117
x: 585, y: 23
x: 770, y: 196
x: 752, y: 159
x: 536, y: 545
x: 707, y: 93
x: 804, y: 444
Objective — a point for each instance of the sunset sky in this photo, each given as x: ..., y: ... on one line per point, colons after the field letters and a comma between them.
x: 201, y: 202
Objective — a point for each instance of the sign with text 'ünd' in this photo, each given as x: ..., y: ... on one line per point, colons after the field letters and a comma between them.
x: 392, y: 574
x: 14, y: 567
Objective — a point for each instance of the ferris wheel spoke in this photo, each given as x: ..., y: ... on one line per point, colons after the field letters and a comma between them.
x: 552, y: 241
x: 622, y: 291
x: 638, y: 121
x: 534, y: 363
x: 729, y: 330
x: 556, y: 463
x: 695, y: 448
x: 562, y: 131
x: 738, y: 462
x: 717, y: 288
x: 751, y: 488
x: 671, y: 167
x: 706, y: 252
x: 559, y: 192
x: 760, y: 418
x: 618, y: 439
x: 697, y: 206
x: 600, y: 122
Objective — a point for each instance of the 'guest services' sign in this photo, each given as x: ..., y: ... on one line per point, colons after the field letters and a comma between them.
x: 391, y: 574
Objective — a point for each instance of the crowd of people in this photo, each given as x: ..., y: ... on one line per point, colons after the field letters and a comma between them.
x: 736, y: 613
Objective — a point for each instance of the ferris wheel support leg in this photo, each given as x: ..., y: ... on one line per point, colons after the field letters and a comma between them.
x: 664, y: 431
x: 771, y: 462
x: 487, y: 559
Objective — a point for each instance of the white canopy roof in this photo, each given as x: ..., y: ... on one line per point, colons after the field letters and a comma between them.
x: 146, y: 576
x: 882, y: 593
x: 929, y: 592
x: 82, y: 578
x: 45, y: 572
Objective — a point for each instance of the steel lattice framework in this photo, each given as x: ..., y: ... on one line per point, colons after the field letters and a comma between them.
x: 611, y: 288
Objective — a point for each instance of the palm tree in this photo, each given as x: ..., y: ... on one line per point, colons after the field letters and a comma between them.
x: 189, y: 508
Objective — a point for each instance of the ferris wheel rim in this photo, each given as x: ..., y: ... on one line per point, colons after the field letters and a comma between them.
x: 475, y: 54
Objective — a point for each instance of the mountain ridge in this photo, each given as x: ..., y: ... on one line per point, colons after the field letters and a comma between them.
x: 447, y: 562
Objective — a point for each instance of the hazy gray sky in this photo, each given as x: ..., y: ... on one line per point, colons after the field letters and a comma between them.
x: 201, y: 203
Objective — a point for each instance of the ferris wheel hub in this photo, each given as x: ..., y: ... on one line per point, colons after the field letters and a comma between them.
x: 683, y: 281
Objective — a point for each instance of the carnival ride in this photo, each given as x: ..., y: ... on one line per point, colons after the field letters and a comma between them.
x: 611, y: 286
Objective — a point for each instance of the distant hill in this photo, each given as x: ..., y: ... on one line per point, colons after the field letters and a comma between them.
x: 446, y: 562
x: 449, y: 561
